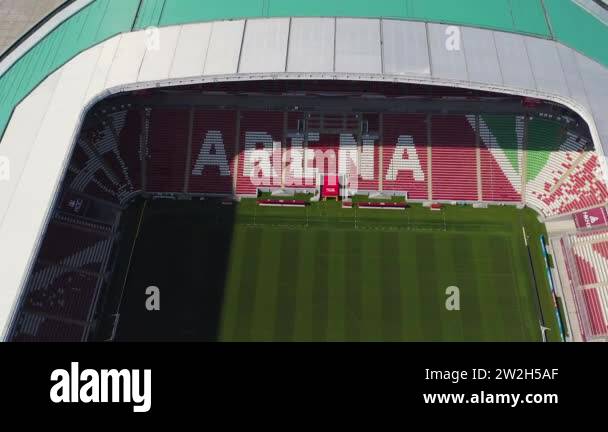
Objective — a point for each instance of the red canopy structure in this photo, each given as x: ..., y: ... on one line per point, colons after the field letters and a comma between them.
x: 331, y: 187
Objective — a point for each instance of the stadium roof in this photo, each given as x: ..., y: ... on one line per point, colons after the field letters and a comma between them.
x: 550, y: 49
x: 85, y: 23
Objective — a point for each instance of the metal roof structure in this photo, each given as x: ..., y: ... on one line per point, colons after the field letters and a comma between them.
x: 548, y: 49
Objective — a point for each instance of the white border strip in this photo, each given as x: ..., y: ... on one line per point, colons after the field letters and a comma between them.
x: 592, y: 8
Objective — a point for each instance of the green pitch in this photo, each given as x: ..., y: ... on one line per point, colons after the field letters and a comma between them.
x: 323, y: 273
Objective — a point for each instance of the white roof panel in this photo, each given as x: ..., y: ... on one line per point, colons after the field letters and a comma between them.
x: 358, y: 46
x: 481, y: 57
x: 127, y: 59
x: 161, y: 46
x: 18, y: 140
x: 405, y: 48
x: 264, y: 45
x: 191, y: 51
x: 572, y: 74
x: 311, y: 45
x: 447, y: 52
x: 595, y: 78
x: 513, y: 59
x: 104, y: 63
x: 224, y: 48
x: 546, y: 66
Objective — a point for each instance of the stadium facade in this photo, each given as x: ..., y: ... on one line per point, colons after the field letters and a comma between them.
x: 92, y: 49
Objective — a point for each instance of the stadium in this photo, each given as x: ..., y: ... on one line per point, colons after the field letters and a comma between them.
x: 273, y: 170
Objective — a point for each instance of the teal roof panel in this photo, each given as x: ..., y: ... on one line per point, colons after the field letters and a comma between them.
x: 189, y: 11
x: 576, y: 28
x: 149, y: 13
x: 95, y: 23
x: 525, y: 16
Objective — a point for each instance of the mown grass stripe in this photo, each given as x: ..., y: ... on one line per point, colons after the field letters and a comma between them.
x: 430, y: 303
x: 264, y: 317
x: 352, y: 269
x: 482, y: 255
x: 391, y: 287
x: 336, y: 322
x: 518, y: 319
x: 412, y: 317
x: 288, y: 277
x: 303, y: 293
x: 320, y: 287
x: 494, y: 297
x: 371, y: 289
x: 448, y: 277
x: 470, y: 284
x: 229, y: 311
x: 247, y: 286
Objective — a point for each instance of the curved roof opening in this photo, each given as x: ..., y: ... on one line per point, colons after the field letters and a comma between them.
x: 539, y: 154
x: 203, y: 152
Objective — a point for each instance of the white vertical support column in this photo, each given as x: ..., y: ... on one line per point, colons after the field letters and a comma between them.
x: 188, y: 165
x: 359, y: 149
x: 284, y: 148
x: 305, y: 148
x: 381, y: 152
x: 237, y: 139
x: 523, y: 166
x: 143, y: 148
x: 429, y: 152
x: 478, y: 160
x: 142, y: 142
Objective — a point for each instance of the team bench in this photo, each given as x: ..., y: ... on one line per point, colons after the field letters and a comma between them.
x: 281, y: 203
x: 383, y: 205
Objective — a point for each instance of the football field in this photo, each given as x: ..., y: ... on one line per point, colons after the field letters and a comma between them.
x: 322, y: 273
